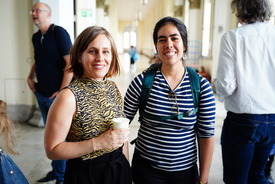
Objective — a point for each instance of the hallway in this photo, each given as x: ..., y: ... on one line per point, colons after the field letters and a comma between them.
x: 33, y: 161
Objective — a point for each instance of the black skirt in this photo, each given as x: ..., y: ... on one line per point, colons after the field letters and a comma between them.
x: 111, y: 168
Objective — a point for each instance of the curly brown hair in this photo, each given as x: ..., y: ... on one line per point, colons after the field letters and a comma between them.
x: 251, y: 11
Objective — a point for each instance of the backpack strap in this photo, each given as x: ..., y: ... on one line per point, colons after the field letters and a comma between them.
x: 62, y: 64
x: 146, y: 87
x: 195, y: 84
x: 147, y: 84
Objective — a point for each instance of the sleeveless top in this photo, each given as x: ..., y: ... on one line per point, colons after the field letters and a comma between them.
x: 97, y: 103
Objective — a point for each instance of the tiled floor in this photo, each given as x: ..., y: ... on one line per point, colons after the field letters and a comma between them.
x: 34, y: 163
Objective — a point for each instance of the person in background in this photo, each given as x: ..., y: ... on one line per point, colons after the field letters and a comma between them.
x: 79, y: 125
x: 154, y: 59
x: 9, y: 171
x: 245, y: 82
x: 166, y: 150
x: 133, y: 57
x: 51, y: 44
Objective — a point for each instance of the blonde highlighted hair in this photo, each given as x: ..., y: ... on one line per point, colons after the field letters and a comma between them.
x: 6, y: 129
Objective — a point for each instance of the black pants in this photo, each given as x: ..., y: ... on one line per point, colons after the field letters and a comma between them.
x: 144, y: 173
x: 111, y: 168
x: 132, y: 61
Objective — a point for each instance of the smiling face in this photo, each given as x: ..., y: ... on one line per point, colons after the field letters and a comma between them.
x: 97, y: 58
x: 169, y: 45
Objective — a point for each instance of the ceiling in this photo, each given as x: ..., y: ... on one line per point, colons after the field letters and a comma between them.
x: 128, y: 9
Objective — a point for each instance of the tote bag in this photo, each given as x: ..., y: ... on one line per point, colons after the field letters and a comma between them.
x: 9, y: 172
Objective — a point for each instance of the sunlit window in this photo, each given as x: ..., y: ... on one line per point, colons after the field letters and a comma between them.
x: 126, y: 43
x: 133, y: 38
x: 129, y: 37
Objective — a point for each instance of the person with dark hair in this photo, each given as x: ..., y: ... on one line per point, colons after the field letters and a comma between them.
x: 166, y: 148
x: 245, y: 82
x: 49, y: 74
x: 79, y: 125
x: 133, y: 57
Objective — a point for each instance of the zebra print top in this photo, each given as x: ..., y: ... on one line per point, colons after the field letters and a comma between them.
x: 97, y: 102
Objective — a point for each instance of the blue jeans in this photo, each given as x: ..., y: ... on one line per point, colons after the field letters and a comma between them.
x: 6, y: 166
x: 44, y: 104
x: 246, y: 142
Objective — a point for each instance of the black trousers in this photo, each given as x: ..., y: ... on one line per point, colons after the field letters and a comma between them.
x: 132, y: 60
x: 144, y: 173
x: 111, y: 168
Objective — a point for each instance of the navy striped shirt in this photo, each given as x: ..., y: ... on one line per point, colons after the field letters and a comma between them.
x: 170, y: 145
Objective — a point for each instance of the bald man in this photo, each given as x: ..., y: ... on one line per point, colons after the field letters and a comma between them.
x: 51, y: 44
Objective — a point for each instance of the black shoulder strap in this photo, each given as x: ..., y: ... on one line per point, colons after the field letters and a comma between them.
x: 60, y: 64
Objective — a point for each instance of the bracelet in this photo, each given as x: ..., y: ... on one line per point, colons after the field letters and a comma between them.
x: 204, y: 183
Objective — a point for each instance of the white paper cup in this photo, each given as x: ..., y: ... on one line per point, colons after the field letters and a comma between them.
x: 120, y: 123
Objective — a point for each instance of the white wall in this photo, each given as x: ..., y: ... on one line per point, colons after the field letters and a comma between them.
x: 82, y: 7
x: 112, y: 26
x: 222, y: 23
x: 15, y: 51
x: 195, y: 27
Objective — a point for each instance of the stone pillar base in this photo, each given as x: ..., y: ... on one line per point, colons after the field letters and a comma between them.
x: 36, y: 119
